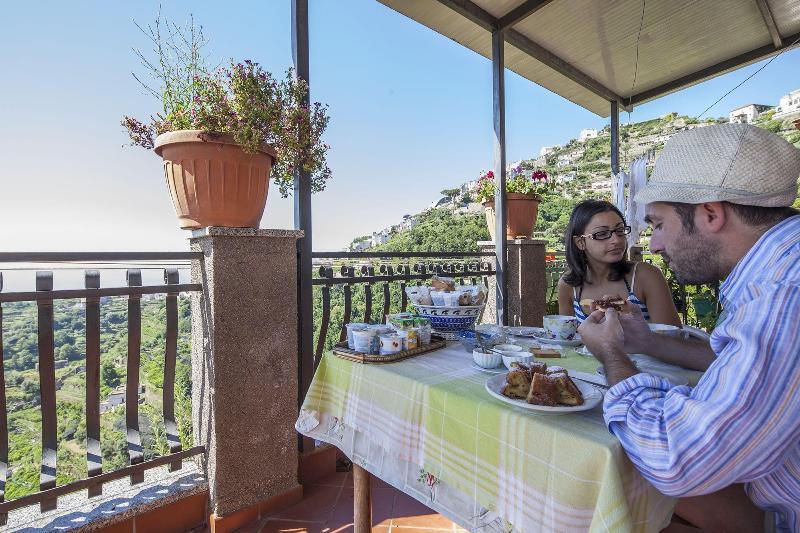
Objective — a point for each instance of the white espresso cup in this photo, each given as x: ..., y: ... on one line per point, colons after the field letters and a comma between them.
x: 561, y: 327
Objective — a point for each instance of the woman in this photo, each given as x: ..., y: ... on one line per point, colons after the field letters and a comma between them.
x: 596, y: 246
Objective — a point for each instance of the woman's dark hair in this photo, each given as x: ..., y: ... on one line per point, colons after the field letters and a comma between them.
x: 576, y: 258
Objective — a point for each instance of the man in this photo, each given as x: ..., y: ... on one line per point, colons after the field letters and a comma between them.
x: 718, y: 204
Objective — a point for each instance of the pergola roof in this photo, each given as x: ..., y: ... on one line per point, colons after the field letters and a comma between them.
x: 586, y: 50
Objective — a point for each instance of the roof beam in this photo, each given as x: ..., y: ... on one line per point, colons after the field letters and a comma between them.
x: 487, y: 21
x: 769, y: 20
x: 521, y: 12
x: 473, y: 12
x: 543, y: 55
x: 713, y: 70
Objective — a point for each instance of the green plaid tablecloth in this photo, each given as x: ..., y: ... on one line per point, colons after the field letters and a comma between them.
x: 427, y: 426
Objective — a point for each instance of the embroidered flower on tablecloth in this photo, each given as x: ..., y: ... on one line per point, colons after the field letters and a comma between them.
x: 336, y: 428
x: 430, y: 481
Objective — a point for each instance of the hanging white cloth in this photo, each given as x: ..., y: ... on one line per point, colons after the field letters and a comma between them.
x: 618, y: 182
x: 634, y: 211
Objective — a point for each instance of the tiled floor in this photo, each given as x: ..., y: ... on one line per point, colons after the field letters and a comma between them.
x: 327, y: 506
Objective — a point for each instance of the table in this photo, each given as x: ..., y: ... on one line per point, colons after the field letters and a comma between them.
x: 427, y: 426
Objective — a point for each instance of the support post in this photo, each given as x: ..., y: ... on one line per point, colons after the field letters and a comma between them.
x: 526, y: 282
x: 499, y: 111
x: 244, y: 364
x: 614, y: 137
x: 302, y: 221
x: 362, y: 500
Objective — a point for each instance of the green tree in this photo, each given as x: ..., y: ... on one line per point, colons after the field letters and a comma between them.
x: 109, y: 376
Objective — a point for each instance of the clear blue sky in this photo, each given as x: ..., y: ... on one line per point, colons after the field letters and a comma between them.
x: 411, y: 115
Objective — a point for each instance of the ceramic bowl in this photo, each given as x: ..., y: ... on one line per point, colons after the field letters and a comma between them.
x: 520, y: 357
x: 450, y: 318
x: 486, y: 360
x: 508, y: 348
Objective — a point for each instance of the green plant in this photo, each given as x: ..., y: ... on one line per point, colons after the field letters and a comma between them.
x: 538, y: 184
x: 242, y: 100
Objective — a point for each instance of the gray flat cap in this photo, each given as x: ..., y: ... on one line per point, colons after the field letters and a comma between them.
x: 737, y: 163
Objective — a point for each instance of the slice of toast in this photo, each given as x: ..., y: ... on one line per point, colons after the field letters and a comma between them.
x: 544, y: 391
x: 545, y: 353
x: 568, y: 392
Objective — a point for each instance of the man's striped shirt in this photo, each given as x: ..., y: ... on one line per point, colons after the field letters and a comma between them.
x: 741, y: 423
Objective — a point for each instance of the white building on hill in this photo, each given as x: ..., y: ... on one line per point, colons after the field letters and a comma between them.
x: 601, y: 186
x: 547, y: 150
x: 747, y: 113
x: 789, y: 105
x: 587, y: 134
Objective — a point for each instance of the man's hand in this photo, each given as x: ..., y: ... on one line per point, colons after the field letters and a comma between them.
x: 636, y: 333
x: 603, y: 335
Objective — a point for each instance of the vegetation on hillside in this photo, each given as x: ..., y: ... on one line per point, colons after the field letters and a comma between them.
x: 20, y: 356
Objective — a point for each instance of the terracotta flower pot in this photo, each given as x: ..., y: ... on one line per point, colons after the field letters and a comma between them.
x: 212, y: 181
x: 521, y: 216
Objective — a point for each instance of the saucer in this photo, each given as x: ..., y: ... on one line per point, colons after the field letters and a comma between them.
x: 577, y: 341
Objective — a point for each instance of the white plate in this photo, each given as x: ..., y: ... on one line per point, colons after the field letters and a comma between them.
x: 674, y: 374
x: 501, y: 368
x: 591, y: 397
x: 525, y: 331
x: 577, y: 341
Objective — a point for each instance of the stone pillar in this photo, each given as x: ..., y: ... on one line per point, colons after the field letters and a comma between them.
x: 244, y: 363
x: 526, y: 283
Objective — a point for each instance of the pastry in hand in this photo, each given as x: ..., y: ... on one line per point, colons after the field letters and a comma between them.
x: 614, y: 302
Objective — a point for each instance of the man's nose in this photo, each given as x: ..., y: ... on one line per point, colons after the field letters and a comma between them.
x: 656, y: 245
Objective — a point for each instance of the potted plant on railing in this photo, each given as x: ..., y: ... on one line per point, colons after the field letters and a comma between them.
x: 523, y: 194
x: 222, y: 134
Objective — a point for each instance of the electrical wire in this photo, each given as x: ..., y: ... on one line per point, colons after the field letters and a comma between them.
x: 773, y: 58
x: 636, y: 65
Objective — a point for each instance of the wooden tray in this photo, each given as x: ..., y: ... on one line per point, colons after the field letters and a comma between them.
x: 341, y: 350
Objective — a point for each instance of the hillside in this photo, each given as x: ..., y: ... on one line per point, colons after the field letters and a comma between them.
x: 581, y: 169
x: 20, y: 355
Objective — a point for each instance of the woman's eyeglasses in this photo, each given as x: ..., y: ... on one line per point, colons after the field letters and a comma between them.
x: 605, y: 234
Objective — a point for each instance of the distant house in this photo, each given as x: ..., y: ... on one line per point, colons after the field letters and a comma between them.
x: 380, y: 237
x: 565, y: 160
x: 547, y: 150
x: 601, y: 186
x: 361, y: 245
x: 117, y: 397
x: 566, y: 177
x: 587, y: 134
x: 747, y: 113
x: 788, y: 105
x: 408, y: 223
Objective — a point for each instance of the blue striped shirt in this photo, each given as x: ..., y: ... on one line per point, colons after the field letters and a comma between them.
x: 741, y: 423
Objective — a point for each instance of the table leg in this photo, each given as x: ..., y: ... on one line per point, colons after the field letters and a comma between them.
x: 362, y: 508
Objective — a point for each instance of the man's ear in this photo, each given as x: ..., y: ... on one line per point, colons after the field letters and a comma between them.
x: 711, y: 216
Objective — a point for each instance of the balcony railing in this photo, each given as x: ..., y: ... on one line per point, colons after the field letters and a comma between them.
x: 44, y: 297
x: 347, y: 283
